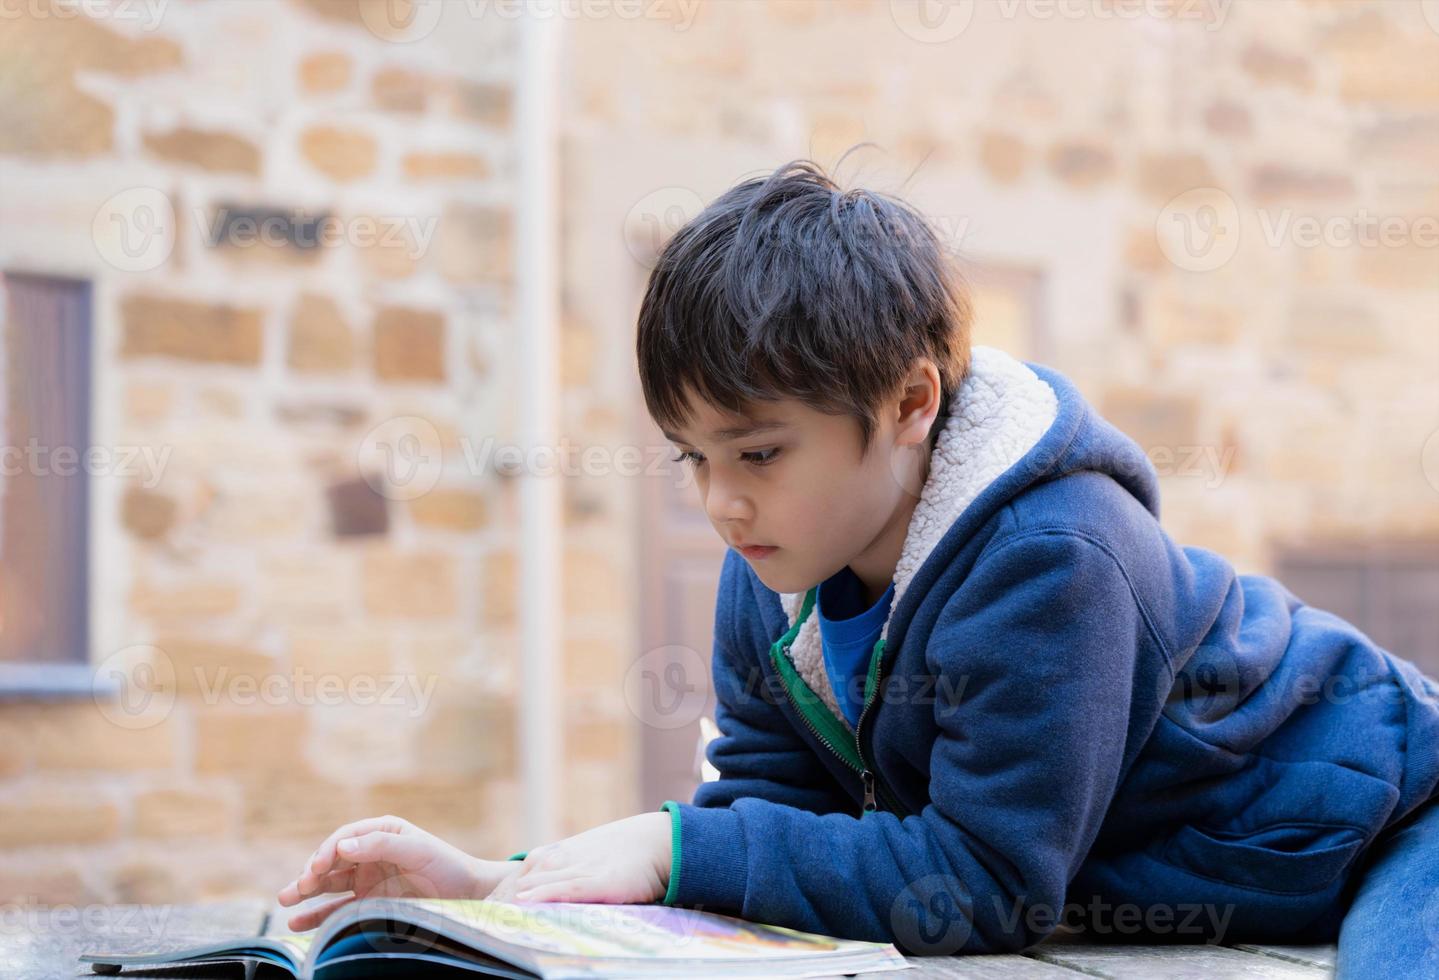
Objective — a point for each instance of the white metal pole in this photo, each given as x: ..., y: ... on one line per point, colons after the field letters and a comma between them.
x: 538, y: 399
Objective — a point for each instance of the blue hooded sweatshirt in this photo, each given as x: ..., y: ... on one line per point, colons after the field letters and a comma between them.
x: 1064, y: 708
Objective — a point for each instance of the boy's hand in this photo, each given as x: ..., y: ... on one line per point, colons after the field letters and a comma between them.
x: 391, y: 857
x: 623, y: 862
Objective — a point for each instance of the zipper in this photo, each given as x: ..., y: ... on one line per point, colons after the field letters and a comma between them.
x: 874, y: 788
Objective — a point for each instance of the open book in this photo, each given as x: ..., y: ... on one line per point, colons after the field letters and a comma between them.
x: 420, y: 937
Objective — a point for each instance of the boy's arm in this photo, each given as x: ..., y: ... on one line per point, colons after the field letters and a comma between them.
x: 1039, y: 654
x: 757, y: 752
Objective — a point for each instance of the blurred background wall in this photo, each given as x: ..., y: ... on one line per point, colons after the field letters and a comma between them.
x: 258, y: 263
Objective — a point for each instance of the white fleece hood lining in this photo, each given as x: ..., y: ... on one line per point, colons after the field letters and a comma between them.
x: 999, y: 413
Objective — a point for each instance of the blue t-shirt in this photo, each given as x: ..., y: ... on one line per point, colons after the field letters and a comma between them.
x: 848, y: 632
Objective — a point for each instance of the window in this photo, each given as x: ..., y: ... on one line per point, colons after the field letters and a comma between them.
x: 45, y: 349
x: 1387, y: 590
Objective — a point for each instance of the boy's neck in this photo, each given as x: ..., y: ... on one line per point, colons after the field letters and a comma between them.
x: 875, y: 566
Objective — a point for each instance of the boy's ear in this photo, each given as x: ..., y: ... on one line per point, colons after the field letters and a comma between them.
x: 919, y: 403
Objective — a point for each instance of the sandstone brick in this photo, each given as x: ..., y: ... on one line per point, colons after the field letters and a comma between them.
x: 344, y: 653
x: 51, y: 886
x: 46, y: 113
x: 309, y: 587
x: 1152, y: 419
x: 138, y: 882
x: 1270, y: 66
x: 450, y: 509
x: 1272, y: 182
x: 253, y: 739
x: 1004, y: 156
x: 830, y: 134
x: 341, y: 11
x: 1176, y: 320
x: 591, y: 665
x: 1081, y: 164
x: 468, y: 734
x: 409, y: 344
x: 485, y: 103
x: 1406, y: 266
x: 1141, y: 251
x: 445, y: 166
x: 158, y: 326
x: 409, y: 584
x: 475, y: 244
x: 432, y: 803
x: 286, y: 805
x: 320, y: 339
x: 82, y: 736
x: 327, y: 71
x: 1166, y: 175
x: 273, y: 511
x: 499, y: 579
x: 400, y: 90
x: 394, y: 254
x: 1228, y: 118
x: 39, y: 817
x: 216, y: 672
x: 206, y: 149
x: 592, y: 584
x: 340, y: 154
x: 148, y: 402
x: 1330, y: 327
x: 146, y: 514
x: 1399, y: 75
x: 170, y: 813
x: 600, y: 740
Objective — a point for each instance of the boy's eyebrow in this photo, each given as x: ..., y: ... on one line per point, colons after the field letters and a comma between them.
x: 738, y: 432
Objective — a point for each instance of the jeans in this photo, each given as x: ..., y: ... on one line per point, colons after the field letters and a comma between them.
x: 1391, y: 928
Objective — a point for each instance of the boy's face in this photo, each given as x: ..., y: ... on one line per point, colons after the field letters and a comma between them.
x: 800, y: 485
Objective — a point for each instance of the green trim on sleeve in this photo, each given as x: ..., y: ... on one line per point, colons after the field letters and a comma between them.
x: 674, y: 886
x: 517, y: 856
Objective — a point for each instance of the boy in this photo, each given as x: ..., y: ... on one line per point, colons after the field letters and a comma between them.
x: 965, y: 682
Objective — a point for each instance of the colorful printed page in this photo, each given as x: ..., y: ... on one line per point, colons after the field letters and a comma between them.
x: 637, y: 931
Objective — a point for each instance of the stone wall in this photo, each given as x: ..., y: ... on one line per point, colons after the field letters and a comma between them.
x: 298, y: 221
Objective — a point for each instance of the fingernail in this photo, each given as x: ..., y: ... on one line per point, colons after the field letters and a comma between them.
x: 348, y: 845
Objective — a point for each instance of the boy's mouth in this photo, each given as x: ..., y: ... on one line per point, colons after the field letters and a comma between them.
x: 756, y: 552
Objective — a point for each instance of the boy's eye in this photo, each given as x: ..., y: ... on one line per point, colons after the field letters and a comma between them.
x: 760, y: 457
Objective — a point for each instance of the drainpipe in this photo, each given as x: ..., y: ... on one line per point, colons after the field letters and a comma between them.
x: 537, y: 401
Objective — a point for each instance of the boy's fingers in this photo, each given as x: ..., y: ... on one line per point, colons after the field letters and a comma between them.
x: 380, y: 845
x: 308, y: 919
x: 299, y: 890
x: 324, y: 857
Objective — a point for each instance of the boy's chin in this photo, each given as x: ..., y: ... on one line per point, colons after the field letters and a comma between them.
x: 784, y: 584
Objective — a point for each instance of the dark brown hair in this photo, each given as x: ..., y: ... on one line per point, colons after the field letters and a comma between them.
x: 786, y: 286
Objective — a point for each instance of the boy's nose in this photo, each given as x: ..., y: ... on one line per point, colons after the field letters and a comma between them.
x: 725, y: 508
